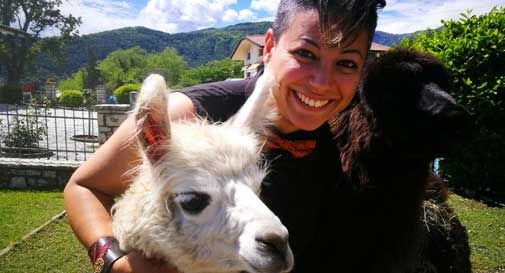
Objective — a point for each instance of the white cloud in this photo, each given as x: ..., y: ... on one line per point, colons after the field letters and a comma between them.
x: 187, y: 15
x: 164, y: 15
x: 413, y: 15
x: 270, y: 6
x: 246, y: 14
x: 99, y: 15
x: 231, y: 15
x: 399, y: 16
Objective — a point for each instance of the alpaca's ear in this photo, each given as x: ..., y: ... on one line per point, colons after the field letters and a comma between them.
x: 254, y: 112
x: 151, y: 116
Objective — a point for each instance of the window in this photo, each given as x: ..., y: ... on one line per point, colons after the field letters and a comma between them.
x: 249, y: 55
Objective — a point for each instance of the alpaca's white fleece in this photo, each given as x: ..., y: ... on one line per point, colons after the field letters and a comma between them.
x: 202, y: 157
x: 221, y: 160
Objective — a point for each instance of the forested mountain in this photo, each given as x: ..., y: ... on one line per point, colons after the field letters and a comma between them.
x: 197, y: 47
x: 388, y: 39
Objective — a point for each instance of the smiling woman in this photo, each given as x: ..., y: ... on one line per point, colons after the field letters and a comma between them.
x: 315, y: 80
x: 315, y: 51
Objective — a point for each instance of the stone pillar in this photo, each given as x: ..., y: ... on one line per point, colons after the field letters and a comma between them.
x: 110, y: 116
x: 133, y: 99
x: 51, y: 89
x: 101, y: 93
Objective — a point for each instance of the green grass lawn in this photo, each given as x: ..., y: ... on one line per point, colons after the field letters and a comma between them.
x: 55, y: 249
x: 486, y: 231
x: 22, y: 211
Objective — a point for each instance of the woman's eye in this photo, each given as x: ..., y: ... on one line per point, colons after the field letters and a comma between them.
x: 347, y: 64
x: 305, y: 54
x: 192, y: 202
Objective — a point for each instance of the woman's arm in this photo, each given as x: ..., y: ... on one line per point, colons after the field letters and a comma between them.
x: 90, y: 191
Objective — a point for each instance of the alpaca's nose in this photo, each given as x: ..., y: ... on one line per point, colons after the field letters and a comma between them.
x: 272, y: 252
x: 273, y: 241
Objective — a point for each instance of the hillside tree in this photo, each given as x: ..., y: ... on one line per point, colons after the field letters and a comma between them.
x: 92, y: 75
x: 32, y: 18
x: 167, y: 63
x: 123, y: 66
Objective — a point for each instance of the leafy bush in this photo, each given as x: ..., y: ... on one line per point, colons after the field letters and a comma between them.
x: 11, y: 94
x: 89, y: 96
x: 122, y: 93
x: 473, y: 48
x: 24, y: 131
x: 71, y: 98
x: 74, y: 82
x: 211, y: 72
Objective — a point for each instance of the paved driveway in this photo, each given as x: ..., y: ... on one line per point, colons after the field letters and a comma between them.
x: 62, y: 124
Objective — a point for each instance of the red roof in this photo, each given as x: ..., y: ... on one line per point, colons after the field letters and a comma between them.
x: 379, y: 47
x: 257, y: 39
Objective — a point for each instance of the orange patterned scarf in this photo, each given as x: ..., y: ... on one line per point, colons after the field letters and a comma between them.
x: 297, y: 148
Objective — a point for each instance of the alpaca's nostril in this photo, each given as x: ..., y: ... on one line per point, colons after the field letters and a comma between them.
x: 273, y: 242
x: 455, y: 112
x: 457, y: 121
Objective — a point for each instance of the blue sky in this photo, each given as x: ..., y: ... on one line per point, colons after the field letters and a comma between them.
x: 399, y: 16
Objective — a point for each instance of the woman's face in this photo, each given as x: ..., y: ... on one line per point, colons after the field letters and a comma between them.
x: 315, y: 81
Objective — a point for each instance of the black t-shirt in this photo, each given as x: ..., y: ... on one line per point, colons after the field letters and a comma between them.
x: 300, y: 192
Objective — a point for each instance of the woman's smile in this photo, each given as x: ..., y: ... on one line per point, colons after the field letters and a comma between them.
x: 312, y: 103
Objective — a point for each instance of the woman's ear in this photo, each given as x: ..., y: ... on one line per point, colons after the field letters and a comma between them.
x: 269, y: 45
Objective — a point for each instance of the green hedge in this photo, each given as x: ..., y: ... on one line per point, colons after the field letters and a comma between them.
x: 473, y: 48
x: 11, y: 94
x: 122, y: 93
x: 71, y: 98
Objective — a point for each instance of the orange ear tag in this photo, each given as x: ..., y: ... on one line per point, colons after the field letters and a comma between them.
x: 154, y: 139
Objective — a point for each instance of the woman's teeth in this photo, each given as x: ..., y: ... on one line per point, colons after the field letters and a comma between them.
x: 311, y: 102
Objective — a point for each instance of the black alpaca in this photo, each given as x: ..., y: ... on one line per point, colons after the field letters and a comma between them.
x: 394, y: 212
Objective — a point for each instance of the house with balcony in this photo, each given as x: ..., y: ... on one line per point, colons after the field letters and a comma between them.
x: 6, y: 30
x: 250, y: 51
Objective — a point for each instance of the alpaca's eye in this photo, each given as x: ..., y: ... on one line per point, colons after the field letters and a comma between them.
x: 192, y: 202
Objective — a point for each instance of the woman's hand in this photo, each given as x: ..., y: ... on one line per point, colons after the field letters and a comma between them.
x: 135, y: 262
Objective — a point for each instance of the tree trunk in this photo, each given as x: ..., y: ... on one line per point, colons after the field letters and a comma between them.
x: 7, y: 12
x: 15, y: 58
x: 13, y: 75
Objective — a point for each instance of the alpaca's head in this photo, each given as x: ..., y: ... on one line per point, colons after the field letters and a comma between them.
x: 407, y: 92
x: 198, y: 186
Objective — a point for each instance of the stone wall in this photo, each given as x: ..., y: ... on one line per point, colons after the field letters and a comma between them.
x: 110, y: 116
x: 35, y: 174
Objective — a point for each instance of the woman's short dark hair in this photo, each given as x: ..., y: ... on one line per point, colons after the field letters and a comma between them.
x: 340, y: 19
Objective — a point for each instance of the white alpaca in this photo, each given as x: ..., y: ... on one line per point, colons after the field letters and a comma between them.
x: 195, y: 200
